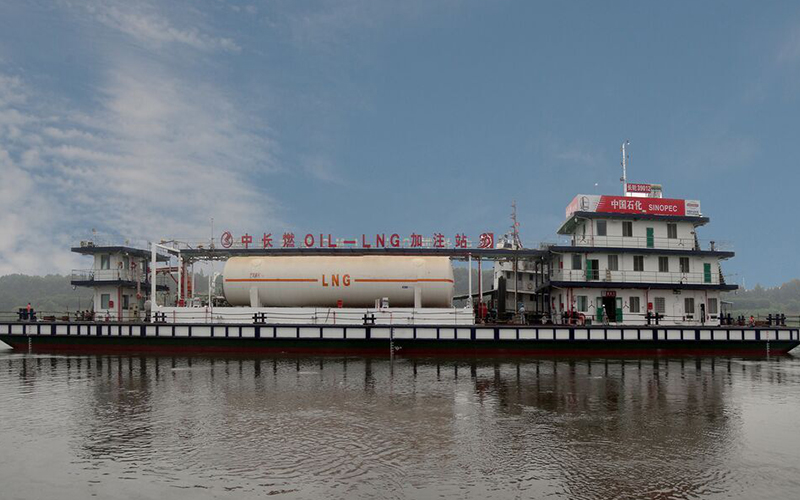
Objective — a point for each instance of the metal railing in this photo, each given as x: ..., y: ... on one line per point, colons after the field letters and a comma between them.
x: 677, y: 278
x: 644, y: 242
x: 107, y: 275
x: 322, y: 316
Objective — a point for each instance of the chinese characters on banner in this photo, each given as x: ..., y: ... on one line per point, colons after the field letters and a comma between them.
x: 414, y: 240
x: 630, y: 205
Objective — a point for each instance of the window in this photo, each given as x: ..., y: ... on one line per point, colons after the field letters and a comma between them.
x: 684, y: 264
x: 601, y: 228
x: 126, y: 301
x: 712, y: 306
x: 688, y: 306
x: 638, y: 263
x: 672, y: 230
x: 105, y: 262
x: 627, y: 228
x: 583, y: 303
x: 663, y: 264
x: 105, y: 299
x: 634, y: 305
x: 660, y: 305
x: 613, y: 262
x: 576, y: 261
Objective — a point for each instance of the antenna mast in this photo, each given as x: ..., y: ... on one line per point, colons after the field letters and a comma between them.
x: 515, y: 225
x: 624, y: 177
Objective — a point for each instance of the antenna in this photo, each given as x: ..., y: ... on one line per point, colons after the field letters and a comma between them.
x: 625, y: 159
x: 515, y: 225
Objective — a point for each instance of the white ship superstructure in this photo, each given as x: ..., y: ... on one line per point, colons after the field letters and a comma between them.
x: 634, y: 260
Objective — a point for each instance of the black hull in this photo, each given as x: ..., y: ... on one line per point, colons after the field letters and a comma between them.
x: 382, y: 347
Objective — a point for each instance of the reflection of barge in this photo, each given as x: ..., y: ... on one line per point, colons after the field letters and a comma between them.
x: 633, y: 279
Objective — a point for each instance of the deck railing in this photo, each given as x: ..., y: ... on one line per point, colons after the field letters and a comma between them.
x: 107, y: 275
x: 677, y: 278
x: 657, y: 242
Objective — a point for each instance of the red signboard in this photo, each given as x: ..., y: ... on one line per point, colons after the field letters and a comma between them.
x: 380, y: 240
x: 632, y: 205
x: 639, y: 188
x: 652, y: 206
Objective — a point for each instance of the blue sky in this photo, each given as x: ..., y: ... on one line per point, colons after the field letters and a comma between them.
x: 148, y: 118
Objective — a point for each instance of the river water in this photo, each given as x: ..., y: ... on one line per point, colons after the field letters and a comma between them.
x: 235, y: 427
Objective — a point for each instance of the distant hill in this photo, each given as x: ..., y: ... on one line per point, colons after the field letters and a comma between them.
x: 51, y: 293
x: 759, y: 300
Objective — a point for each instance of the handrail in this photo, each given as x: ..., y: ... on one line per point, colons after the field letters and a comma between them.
x: 627, y: 276
x: 107, y: 275
x: 657, y: 242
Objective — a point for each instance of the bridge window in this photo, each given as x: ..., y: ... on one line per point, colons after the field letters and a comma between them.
x: 638, y: 263
x: 105, y: 300
x: 688, y: 306
x: 663, y: 264
x: 660, y: 305
x: 627, y: 228
x: 601, y: 228
x: 672, y: 230
x: 633, y: 304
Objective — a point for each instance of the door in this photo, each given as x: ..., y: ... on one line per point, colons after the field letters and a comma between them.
x: 706, y: 273
x: 592, y: 269
x: 599, y: 314
x: 610, y: 306
x: 650, y: 238
x: 619, y: 310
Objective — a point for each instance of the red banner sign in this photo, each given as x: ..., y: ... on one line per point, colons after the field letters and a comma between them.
x: 652, y: 206
x: 639, y: 188
x: 633, y: 205
x: 381, y: 240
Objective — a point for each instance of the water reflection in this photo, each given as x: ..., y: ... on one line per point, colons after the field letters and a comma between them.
x: 360, y: 427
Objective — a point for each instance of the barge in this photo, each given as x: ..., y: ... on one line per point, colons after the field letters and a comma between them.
x: 630, y: 277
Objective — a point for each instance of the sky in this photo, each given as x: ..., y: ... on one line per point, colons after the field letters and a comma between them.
x: 144, y: 120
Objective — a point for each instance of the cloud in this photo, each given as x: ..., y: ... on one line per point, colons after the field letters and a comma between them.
x: 789, y: 50
x: 577, y: 156
x: 155, y: 156
x: 568, y: 152
x: 719, y: 152
x: 149, y: 25
x: 320, y: 168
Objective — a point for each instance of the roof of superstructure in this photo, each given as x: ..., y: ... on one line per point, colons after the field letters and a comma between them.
x: 570, y: 224
x: 136, y: 252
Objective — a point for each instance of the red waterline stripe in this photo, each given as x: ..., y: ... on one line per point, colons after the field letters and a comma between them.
x: 402, y: 280
x: 287, y: 280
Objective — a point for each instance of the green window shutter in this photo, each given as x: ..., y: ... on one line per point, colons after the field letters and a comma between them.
x: 619, y: 309
x: 600, y: 309
x: 650, y: 238
x: 707, y: 273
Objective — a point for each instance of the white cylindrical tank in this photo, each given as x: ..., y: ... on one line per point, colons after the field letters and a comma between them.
x: 356, y: 281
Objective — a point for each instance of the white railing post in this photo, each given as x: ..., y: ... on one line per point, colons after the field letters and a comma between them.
x: 153, y: 303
